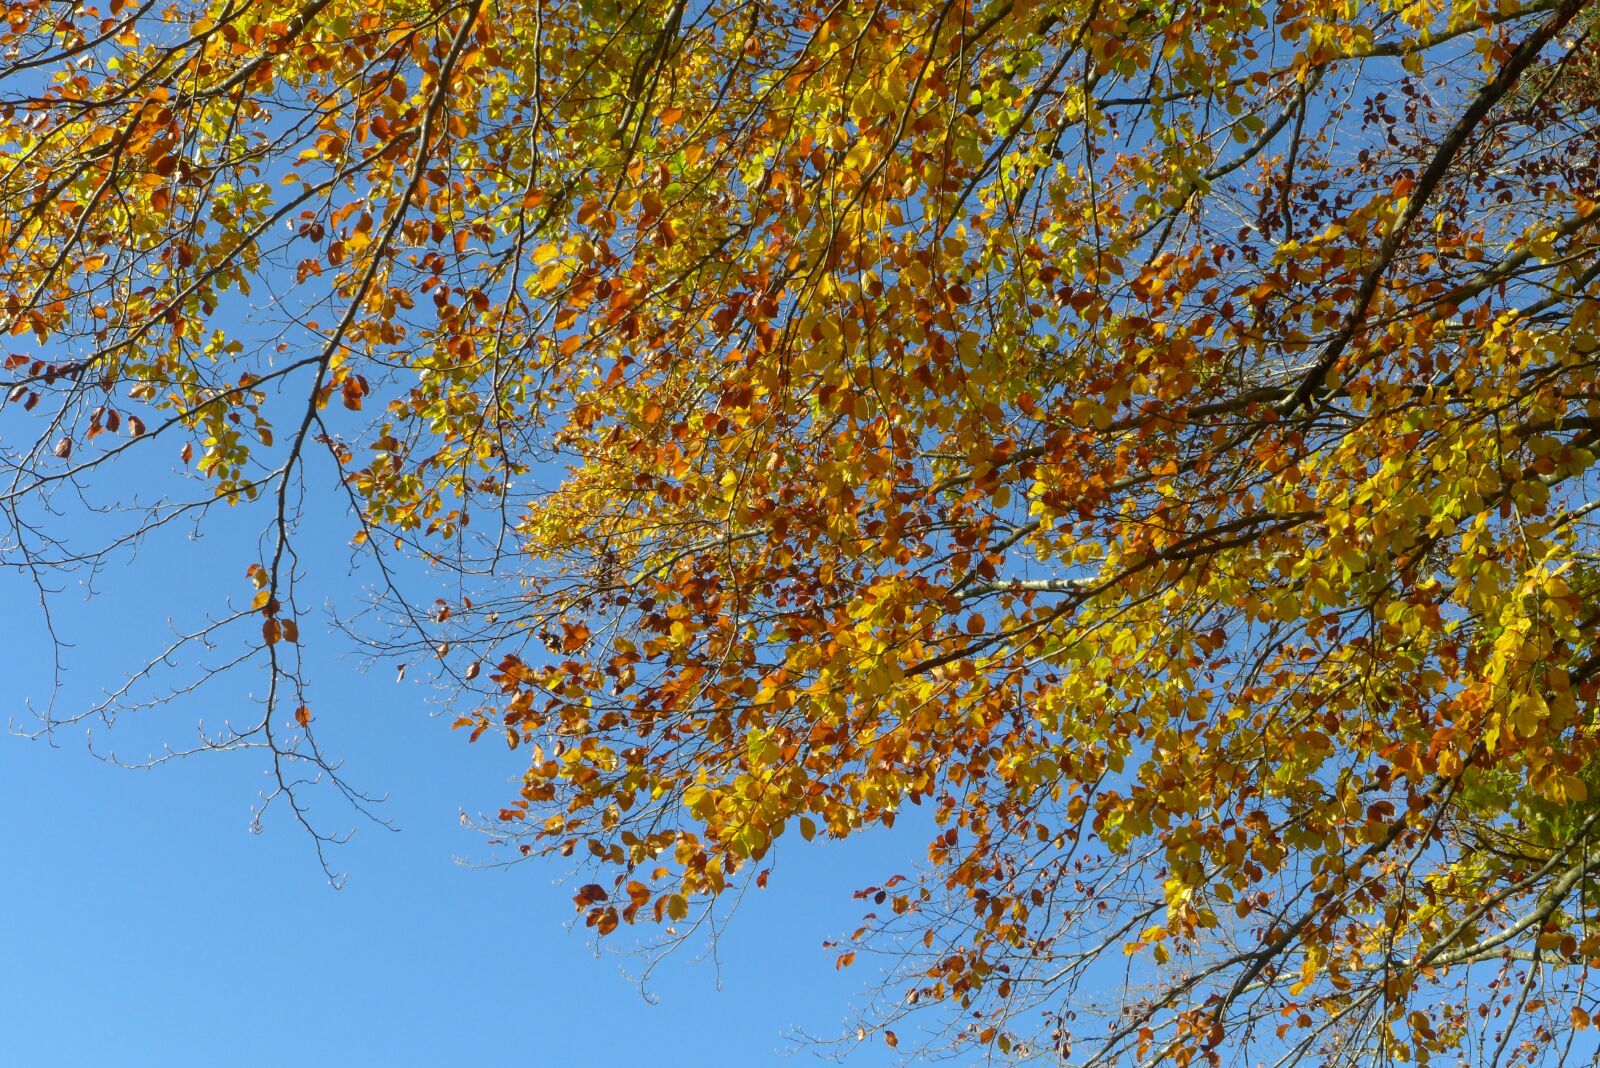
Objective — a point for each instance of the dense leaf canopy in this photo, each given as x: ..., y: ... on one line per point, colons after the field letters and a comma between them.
x: 1152, y: 436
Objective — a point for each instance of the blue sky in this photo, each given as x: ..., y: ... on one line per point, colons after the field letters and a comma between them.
x: 145, y: 925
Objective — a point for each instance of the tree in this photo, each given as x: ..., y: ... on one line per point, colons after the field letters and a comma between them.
x: 1154, y: 438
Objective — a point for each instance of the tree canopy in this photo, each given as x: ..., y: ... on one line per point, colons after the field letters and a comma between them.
x: 1151, y: 440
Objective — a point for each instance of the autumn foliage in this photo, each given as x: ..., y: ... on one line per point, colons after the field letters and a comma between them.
x: 1154, y: 437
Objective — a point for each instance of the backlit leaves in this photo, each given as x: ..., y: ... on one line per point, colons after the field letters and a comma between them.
x: 1153, y: 442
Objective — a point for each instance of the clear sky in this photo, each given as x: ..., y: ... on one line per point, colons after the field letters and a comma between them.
x: 145, y: 925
